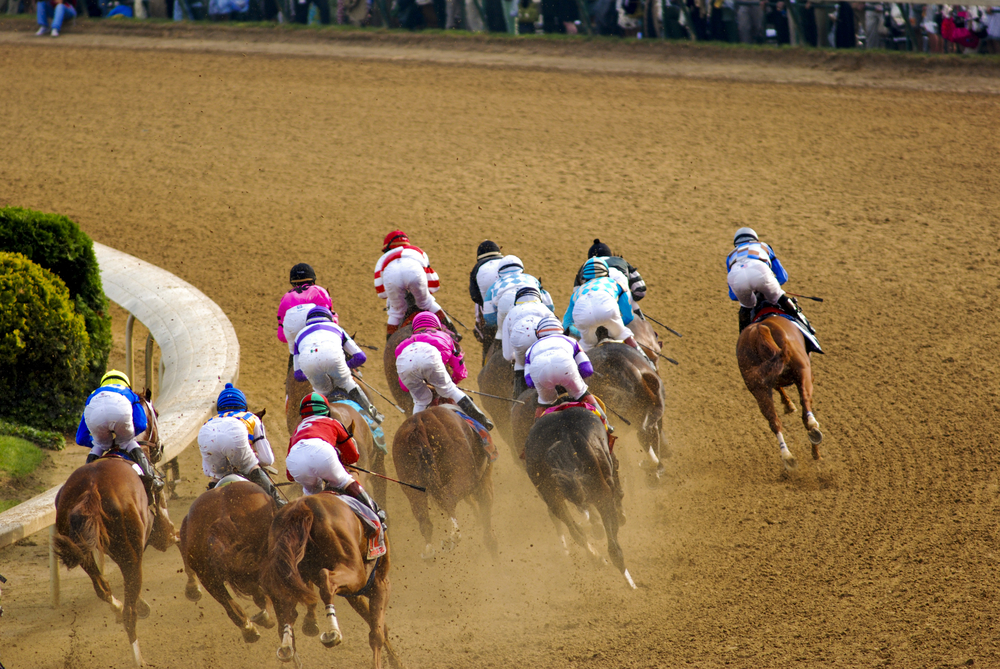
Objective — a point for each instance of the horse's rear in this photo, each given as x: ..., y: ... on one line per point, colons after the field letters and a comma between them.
x: 568, y: 461
x: 437, y: 449
x: 497, y: 378
x: 318, y: 540
x: 223, y: 541
x: 771, y: 355
x: 103, y: 507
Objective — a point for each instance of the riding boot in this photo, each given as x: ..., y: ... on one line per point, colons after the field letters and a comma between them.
x: 466, y: 405
x: 358, y: 396
x: 91, y: 457
x: 390, y: 330
x: 790, y: 307
x: 590, y: 399
x: 355, y: 490
x: 446, y: 321
x: 744, y: 318
x: 520, y: 385
x: 258, y: 476
x: 149, y: 474
x: 630, y: 341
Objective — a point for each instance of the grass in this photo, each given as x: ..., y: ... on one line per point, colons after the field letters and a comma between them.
x: 18, y: 457
x: 8, y: 504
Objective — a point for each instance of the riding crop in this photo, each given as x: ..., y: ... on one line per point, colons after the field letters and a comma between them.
x: 276, y: 485
x: 805, y: 297
x: 668, y: 359
x: 375, y: 390
x: 669, y: 329
x: 389, y: 478
x: 496, y: 397
x: 455, y: 319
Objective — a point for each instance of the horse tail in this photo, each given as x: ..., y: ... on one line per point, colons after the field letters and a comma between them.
x: 417, y: 443
x: 769, y: 352
x: 87, y: 531
x: 280, y: 577
x: 564, y: 467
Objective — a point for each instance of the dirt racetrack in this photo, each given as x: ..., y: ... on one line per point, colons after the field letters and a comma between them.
x: 227, y: 169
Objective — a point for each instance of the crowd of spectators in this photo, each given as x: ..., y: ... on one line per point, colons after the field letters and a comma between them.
x: 898, y: 26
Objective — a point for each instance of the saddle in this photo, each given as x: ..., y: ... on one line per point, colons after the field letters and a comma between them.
x: 378, y: 434
x: 765, y: 310
x: 115, y: 453
x: 373, y: 526
x: 485, y: 440
x: 589, y: 407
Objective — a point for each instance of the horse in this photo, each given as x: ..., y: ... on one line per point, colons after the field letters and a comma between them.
x: 647, y: 338
x: 318, y: 540
x: 439, y: 450
x: 497, y: 378
x: 104, y: 507
x: 223, y: 541
x: 772, y: 355
x: 568, y: 460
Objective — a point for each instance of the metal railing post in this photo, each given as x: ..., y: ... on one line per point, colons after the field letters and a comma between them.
x: 129, y: 324
x: 149, y: 362
x: 53, y: 568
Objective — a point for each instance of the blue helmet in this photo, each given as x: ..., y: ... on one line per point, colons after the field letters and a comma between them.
x: 231, y: 399
x: 594, y: 268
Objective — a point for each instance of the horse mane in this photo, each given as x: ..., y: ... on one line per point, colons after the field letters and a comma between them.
x: 280, y: 577
x: 87, y: 531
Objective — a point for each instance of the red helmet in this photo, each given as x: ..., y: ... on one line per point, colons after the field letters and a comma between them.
x: 394, y: 238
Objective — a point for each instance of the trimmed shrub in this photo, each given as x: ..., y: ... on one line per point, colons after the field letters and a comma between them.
x: 53, y: 441
x: 57, y: 244
x: 44, y: 347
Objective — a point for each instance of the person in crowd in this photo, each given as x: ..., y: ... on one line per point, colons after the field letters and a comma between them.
x: 320, y: 356
x: 600, y: 302
x: 959, y: 28
x: 302, y: 11
x: 519, y: 331
x: 750, y: 23
x: 499, y: 299
x: 54, y: 11
x: 112, y: 416
x: 482, y: 276
x: 234, y: 442
x: 298, y: 302
x: 430, y: 359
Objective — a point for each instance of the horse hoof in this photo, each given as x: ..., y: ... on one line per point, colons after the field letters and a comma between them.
x: 192, y: 592
x: 331, y: 638
x: 428, y: 553
x: 263, y: 619
x: 286, y: 654
x: 789, y: 408
x: 816, y: 455
x: 309, y: 627
x: 815, y: 436
x: 142, y: 608
x: 251, y: 634
x: 788, y: 459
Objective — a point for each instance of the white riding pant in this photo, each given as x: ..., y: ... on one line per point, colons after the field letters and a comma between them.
x: 313, y: 462
x: 109, y: 412
x: 593, y: 310
x: 225, y: 448
x: 420, y: 366
x: 552, y: 368
x: 403, y: 276
x: 504, y: 305
x: 753, y: 276
x: 325, y: 367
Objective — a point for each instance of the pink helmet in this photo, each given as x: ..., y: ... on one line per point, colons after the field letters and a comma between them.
x: 425, y: 320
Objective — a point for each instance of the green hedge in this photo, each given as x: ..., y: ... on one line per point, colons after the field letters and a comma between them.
x: 44, y: 347
x: 57, y: 244
x: 53, y: 441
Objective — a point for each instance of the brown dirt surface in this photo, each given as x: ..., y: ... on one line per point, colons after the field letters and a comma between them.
x: 226, y: 169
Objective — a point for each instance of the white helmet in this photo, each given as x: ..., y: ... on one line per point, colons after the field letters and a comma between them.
x: 744, y: 235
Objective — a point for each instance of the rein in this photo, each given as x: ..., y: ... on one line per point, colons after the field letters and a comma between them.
x: 368, y: 585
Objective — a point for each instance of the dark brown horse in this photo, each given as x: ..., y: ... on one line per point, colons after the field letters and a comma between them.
x: 224, y: 541
x: 497, y: 378
x: 772, y: 355
x: 439, y: 450
x: 104, y: 507
x: 568, y: 461
x: 317, y: 540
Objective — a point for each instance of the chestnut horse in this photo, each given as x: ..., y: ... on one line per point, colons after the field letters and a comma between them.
x: 439, y: 450
x: 317, y: 540
x: 104, y: 507
x: 568, y: 460
x: 224, y: 541
x: 772, y: 355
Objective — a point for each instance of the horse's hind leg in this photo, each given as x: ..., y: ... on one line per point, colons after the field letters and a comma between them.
x: 263, y: 618
x: 765, y: 400
x: 484, y: 501
x: 786, y: 401
x: 217, y: 588
x: 327, y: 590
x: 361, y: 605
x: 609, y: 514
x: 805, y: 386
x: 419, y: 507
x: 132, y: 574
x: 101, y: 586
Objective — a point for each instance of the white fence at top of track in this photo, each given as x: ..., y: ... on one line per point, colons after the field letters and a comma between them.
x: 199, y: 354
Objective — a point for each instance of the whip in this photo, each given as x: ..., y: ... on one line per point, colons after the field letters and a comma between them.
x: 375, y: 390
x: 669, y: 329
x: 805, y: 297
x: 389, y: 478
x: 496, y: 397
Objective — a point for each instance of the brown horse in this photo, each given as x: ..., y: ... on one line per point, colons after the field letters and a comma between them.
x: 497, y: 378
x: 439, y: 450
x: 772, y: 355
x: 568, y: 460
x: 647, y: 338
x: 224, y: 540
x: 104, y: 507
x: 317, y: 540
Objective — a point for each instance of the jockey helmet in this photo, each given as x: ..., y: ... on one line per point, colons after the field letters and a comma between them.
x: 114, y: 376
x: 317, y: 314
x: 511, y: 265
x: 527, y: 294
x: 487, y: 249
x: 393, y: 239
x: 425, y: 320
x: 744, y: 235
x: 231, y: 398
x: 314, y: 404
x: 599, y: 249
x: 301, y: 273
x: 548, y: 326
x: 594, y: 268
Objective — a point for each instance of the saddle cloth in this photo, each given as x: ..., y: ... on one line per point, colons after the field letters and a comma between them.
x: 229, y: 478
x: 122, y: 455
x: 378, y: 434
x: 485, y: 440
x: 376, y: 533
x: 572, y: 405
x: 812, y: 344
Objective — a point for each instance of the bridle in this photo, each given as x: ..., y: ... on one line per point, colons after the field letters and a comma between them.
x: 153, y: 430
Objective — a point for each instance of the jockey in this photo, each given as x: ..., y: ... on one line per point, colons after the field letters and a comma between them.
x: 633, y: 280
x: 320, y: 356
x: 234, y: 442
x: 482, y: 276
x: 404, y: 268
x: 423, y: 361
x: 297, y: 302
x: 753, y: 268
x: 558, y: 360
x: 600, y: 301
x: 317, y: 451
x: 519, y: 331
x: 112, y: 416
x: 499, y: 299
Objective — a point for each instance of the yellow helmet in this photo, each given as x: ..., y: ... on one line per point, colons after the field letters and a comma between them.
x: 114, y: 376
